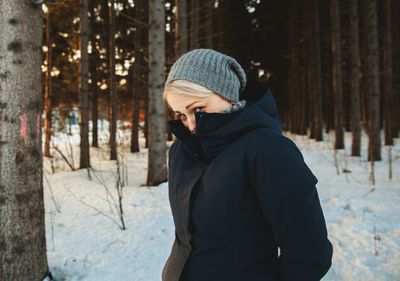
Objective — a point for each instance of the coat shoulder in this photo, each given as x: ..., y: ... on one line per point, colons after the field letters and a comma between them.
x: 267, y: 141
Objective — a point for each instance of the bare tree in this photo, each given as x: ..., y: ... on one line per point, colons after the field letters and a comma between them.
x: 157, y: 168
x: 84, y: 86
x: 22, y: 221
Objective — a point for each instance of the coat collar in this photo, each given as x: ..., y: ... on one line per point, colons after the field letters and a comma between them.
x: 215, y: 130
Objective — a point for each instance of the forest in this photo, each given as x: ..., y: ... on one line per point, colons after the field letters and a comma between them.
x: 82, y: 113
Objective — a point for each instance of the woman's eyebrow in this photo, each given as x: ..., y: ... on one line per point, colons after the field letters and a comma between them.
x: 189, y: 105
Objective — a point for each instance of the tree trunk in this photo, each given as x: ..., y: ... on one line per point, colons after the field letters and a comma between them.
x: 396, y: 65
x: 387, y: 86
x: 94, y: 61
x: 84, y: 86
x: 355, y: 78
x: 181, y: 42
x: 112, y: 84
x: 372, y: 80
x: 337, y: 75
x: 22, y: 220
x: 48, y: 87
x: 157, y: 168
x: 95, y: 114
x: 194, y: 23
x: 209, y: 24
x: 326, y: 65
x: 316, y: 71
x: 293, y: 67
x: 136, y: 76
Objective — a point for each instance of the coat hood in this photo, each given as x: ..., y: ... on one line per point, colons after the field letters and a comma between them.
x: 215, y: 130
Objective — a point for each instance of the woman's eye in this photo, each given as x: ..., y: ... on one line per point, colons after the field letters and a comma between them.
x: 181, y: 116
x: 198, y: 109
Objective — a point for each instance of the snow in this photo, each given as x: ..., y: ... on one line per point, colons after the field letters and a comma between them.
x: 85, y: 241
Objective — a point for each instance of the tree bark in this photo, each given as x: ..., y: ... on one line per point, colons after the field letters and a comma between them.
x: 157, y: 168
x: 387, y: 70
x: 372, y: 79
x: 194, y: 24
x: 94, y: 61
x: 337, y: 75
x: 136, y: 76
x: 355, y: 79
x: 95, y: 114
x: 84, y: 86
x: 326, y: 64
x: 48, y: 87
x: 22, y: 220
x: 181, y: 42
x: 112, y: 84
x: 396, y: 65
x: 316, y: 71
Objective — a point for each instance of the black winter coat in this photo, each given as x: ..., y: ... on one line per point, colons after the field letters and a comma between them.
x: 238, y: 190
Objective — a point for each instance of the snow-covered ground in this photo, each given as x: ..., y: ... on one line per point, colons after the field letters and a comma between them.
x: 85, y: 241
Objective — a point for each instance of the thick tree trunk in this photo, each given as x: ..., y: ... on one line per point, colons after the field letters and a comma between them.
x: 48, y: 87
x: 84, y: 86
x: 355, y: 79
x: 372, y: 79
x: 157, y: 168
x: 337, y: 75
x: 112, y: 84
x: 22, y: 220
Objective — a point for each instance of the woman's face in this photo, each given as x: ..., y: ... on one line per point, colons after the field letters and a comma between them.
x: 185, y: 106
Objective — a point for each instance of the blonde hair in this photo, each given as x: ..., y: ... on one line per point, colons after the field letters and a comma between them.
x: 185, y: 87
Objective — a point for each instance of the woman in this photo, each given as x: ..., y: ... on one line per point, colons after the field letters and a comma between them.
x: 238, y: 188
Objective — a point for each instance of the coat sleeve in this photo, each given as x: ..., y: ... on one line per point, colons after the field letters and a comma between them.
x: 285, y: 189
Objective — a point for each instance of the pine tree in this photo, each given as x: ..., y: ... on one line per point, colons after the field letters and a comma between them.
x: 112, y: 82
x: 371, y: 77
x: 157, y: 168
x: 84, y: 86
x: 337, y: 75
x: 22, y: 221
x: 355, y: 78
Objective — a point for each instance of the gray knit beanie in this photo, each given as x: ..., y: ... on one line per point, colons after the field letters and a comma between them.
x: 217, y: 72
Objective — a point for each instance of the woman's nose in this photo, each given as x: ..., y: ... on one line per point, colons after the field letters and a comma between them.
x: 191, y: 123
